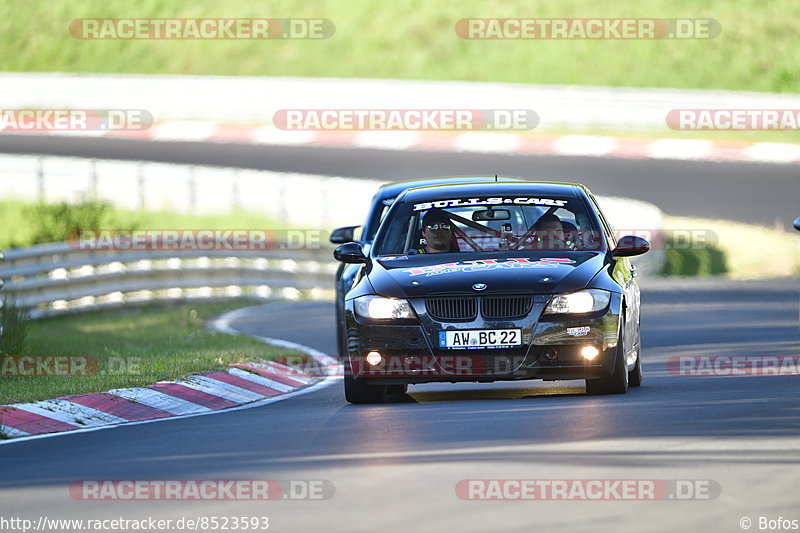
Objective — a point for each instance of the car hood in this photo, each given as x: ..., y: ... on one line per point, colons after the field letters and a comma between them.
x: 413, y: 276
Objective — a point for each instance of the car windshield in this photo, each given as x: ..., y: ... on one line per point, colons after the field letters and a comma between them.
x: 489, y: 224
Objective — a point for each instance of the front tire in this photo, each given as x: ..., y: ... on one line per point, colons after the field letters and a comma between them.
x: 635, y: 376
x: 341, y: 336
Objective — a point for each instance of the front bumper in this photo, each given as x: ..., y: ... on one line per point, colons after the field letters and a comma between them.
x: 550, y: 348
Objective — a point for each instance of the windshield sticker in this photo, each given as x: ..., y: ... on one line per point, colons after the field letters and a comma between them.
x: 393, y: 258
x: 482, y: 265
x: 462, y: 202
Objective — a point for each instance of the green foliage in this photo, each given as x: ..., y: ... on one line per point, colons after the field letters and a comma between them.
x: 416, y: 39
x: 14, y: 327
x: 707, y: 260
x: 61, y: 221
x: 26, y: 223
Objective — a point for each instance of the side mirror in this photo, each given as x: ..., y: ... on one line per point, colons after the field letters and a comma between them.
x: 343, y: 235
x: 630, y: 245
x: 350, y: 253
x: 797, y: 223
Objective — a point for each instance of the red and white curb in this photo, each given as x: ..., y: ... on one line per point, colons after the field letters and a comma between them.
x: 470, y: 142
x: 239, y: 386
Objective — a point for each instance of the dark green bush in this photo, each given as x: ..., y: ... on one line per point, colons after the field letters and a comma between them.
x: 60, y: 221
x: 707, y: 260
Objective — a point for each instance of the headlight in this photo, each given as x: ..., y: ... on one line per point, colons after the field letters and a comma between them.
x: 383, y: 308
x: 587, y: 301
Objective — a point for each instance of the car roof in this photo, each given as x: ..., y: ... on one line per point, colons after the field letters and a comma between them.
x: 391, y: 190
x: 517, y: 187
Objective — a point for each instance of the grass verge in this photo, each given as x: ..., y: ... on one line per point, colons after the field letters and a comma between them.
x: 416, y: 39
x: 734, y: 249
x: 21, y: 223
x: 133, y: 347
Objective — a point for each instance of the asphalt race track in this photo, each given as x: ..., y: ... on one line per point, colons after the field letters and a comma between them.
x: 747, y: 192
x: 395, y: 467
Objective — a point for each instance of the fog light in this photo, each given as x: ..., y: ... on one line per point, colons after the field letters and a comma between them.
x: 589, y: 352
x: 374, y: 358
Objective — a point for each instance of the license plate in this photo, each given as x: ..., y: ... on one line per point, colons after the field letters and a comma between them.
x: 480, y: 338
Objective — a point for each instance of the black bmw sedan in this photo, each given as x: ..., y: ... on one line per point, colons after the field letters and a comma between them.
x: 492, y: 281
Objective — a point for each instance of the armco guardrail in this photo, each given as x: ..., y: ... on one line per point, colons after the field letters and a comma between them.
x: 55, y: 278
x: 61, y: 277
